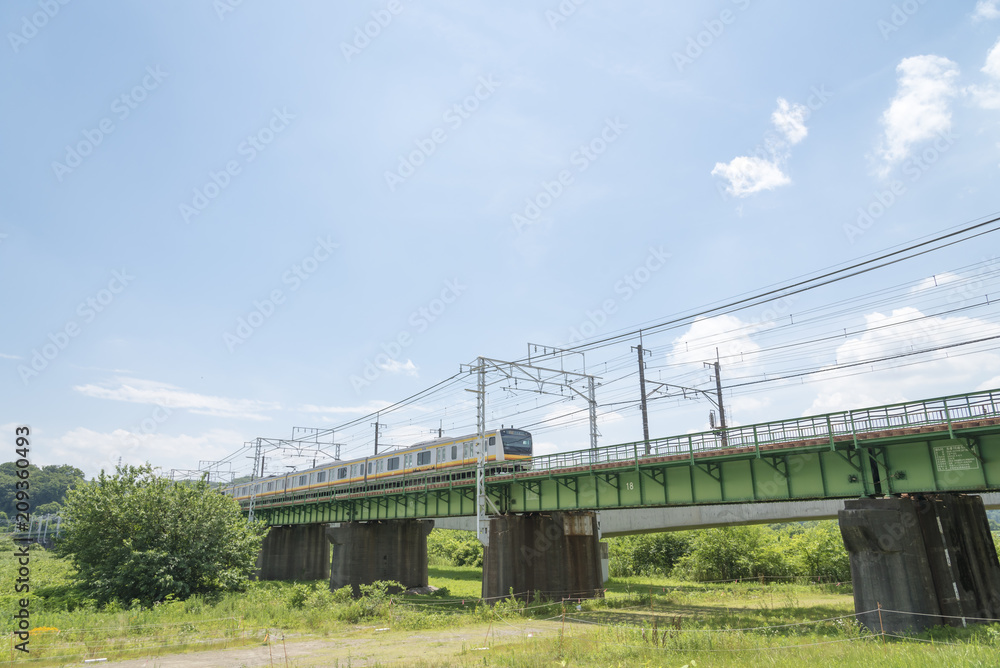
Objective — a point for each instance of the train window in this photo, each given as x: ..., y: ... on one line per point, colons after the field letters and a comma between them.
x: 423, y: 458
x: 493, y: 440
x: 371, y: 467
x: 270, y: 486
x: 392, y: 464
x: 441, y: 454
x: 341, y: 473
x: 321, y: 476
x: 380, y: 466
x: 407, y: 461
x: 312, y: 478
x: 454, y: 452
x: 302, y: 480
x: 467, y: 451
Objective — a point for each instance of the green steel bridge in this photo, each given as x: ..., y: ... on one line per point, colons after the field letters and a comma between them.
x: 947, y: 444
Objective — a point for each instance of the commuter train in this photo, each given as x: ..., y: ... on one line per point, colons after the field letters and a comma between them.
x: 440, y: 460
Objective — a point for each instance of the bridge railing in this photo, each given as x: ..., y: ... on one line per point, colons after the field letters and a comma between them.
x: 827, y: 427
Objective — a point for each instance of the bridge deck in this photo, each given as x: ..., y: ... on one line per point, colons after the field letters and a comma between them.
x: 944, y: 444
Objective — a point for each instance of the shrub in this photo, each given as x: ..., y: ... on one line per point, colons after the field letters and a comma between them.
x: 734, y: 552
x: 646, y: 554
x: 134, y: 536
x: 454, y: 548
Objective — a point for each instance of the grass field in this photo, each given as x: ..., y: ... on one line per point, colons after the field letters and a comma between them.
x: 640, y: 622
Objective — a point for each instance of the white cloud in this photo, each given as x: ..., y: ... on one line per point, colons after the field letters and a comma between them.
x: 992, y: 66
x: 9, y: 357
x: 92, y: 451
x: 991, y: 384
x: 395, y: 366
x: 151, y: 392
x: 545, y: 447
x: 947, y: 372
x: 934, y: 281
x: 988, y: 95
x: 727, y: 333
x: 986, y: 10
x: 921, y: 108
x: 573, y: 415
x: 407, y: 435
x: 748, y: 175
x: 790, y: 119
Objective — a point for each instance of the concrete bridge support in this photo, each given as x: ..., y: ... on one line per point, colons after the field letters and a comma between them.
x: 298, y: 552
x: 364, y: 552
x: 931, y: 555
x: 557, y: 554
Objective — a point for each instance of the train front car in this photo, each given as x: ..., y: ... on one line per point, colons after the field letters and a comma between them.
x: 517, y: 447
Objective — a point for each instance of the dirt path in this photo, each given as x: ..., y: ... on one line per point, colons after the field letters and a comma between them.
x: 361, y: 646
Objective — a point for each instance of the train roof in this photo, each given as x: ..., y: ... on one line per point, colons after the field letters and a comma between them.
x: 344, y: 462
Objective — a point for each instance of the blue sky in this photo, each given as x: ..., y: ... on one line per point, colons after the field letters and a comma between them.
x: 217, y: 218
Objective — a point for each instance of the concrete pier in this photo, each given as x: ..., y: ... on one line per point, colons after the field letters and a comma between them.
x: 298, y: 552
x: 556, y: 554
x: 930, y: 557
x: 364, y: 552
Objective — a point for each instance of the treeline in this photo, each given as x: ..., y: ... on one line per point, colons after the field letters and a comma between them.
x: 47, y: 486
x: 804, y: 549
x: 809, y: 549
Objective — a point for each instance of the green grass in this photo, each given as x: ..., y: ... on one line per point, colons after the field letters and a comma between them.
x: 461, y: 581
x: 642, y: 621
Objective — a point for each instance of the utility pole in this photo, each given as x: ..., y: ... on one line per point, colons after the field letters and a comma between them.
x: 642, y: 387
x: 378, y: 427
x: 440, y: 429
x: 718, y: 392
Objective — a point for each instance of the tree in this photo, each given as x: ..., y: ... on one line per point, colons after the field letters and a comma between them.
x: 647, y: 554
x: 733, y: 552
x: 49, y: 484
x: 136, y: 536
x: 818, y: 551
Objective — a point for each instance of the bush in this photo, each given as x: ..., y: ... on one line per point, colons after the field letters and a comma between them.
x: 137, y: 537
x: 449, y: 547
x: 646, y: 554
x: 734, y: 552
x: 817, y: 551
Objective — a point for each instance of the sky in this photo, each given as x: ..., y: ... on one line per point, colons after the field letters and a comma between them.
x: 225, y: 220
